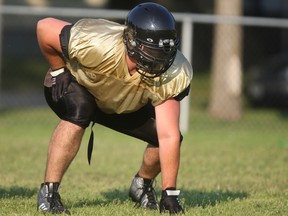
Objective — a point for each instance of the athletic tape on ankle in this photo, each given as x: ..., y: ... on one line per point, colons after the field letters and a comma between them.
x: 173, y: 192
x: 57, y: 72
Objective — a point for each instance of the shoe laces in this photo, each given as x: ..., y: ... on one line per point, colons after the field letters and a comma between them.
x: 150, y: 195
x: 55, y: 201
x: 150, y: 192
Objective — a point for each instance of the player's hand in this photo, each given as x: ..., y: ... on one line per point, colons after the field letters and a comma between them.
x: 61, y: 79
x: 169, y: 202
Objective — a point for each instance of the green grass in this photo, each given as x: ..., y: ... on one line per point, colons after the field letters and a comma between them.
x: 227, y: 168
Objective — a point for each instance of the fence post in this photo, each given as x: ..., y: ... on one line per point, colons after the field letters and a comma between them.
x: 186, y: 48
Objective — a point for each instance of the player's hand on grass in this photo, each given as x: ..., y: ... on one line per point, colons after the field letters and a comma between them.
x: 169, y: 202
x: 61, y: 79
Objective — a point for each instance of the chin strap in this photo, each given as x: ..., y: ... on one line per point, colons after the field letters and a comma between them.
x: 90, y: 144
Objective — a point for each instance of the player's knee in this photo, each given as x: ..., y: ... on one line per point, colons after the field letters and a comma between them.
x: 83, y: 113
x: 77, y: 105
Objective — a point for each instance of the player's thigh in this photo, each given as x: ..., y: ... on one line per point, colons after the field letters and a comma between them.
x: 139, y: 124
x: 76, y: 106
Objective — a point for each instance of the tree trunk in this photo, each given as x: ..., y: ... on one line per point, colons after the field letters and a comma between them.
x: 225, y: 101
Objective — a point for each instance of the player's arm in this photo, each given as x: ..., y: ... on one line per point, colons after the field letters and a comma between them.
x: 167, y: 123
x: 48, y: 31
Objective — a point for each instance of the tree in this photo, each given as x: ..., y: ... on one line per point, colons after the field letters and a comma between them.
x: 225, y: 101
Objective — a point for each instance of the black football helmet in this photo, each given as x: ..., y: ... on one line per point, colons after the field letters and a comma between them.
x: 151, y: 39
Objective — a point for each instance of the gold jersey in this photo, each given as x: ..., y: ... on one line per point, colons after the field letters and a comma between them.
x: 97, y: 59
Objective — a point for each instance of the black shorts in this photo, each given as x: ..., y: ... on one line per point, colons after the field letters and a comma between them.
x: 78, y: 106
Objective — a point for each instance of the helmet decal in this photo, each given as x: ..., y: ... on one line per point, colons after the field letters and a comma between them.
x: 150, y: 40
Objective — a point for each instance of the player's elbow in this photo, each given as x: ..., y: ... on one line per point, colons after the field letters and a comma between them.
x: 43, y: 32
x: 43, y: 25
x: 171, y: 138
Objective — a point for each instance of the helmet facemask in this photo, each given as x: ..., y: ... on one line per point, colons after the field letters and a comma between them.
x: 152, y: 58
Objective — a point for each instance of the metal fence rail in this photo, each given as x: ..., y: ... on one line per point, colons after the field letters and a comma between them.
x: 121, y: 14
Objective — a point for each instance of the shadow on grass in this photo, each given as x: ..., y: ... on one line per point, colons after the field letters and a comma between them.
x: 192, y: 198
x: 113, y: 196
x: 16, y: 191
x: 202, y: 199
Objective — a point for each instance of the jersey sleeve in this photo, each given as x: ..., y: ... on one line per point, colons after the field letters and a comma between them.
x: 64, y: 38
x: 174, y: 83
x: 183, y: 94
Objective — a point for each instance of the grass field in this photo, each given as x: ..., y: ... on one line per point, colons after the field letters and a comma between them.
x: 235, y: 168
x: 227, y: 168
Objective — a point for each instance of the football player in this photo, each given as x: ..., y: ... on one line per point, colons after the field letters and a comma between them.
x: 130, y: 78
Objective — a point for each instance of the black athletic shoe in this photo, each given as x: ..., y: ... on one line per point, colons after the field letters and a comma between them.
x: 169, y: 202
x: 49, y: 199
x: 142, y: 192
